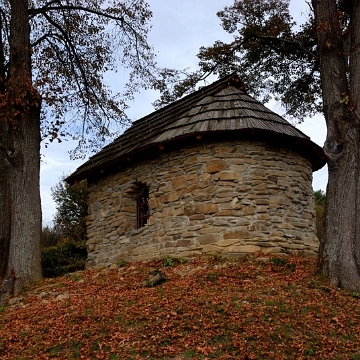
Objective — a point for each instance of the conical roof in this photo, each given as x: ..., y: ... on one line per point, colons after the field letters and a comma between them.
x: 221, y: 107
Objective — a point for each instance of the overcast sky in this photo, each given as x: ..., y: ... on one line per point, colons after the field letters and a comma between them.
x: 180, y: 28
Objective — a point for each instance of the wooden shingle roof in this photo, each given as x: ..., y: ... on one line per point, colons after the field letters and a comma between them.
x: 218, y: 108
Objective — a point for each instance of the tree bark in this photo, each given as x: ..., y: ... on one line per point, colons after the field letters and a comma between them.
x: 5, y: 214
x: 20, y: 160
x: 4, y: 190
x: 339, y: 256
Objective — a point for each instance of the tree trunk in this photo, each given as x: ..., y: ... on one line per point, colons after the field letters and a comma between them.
x: 24, y: 250
x: 339, y: 256
x: 5, y: 214
x: 339, y: 252
x: 4, y: 189
x: 20, y: 160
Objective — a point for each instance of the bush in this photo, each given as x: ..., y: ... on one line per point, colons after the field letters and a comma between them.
x: 63, y: 248
x: 63, y: 258
x: 49, y: 237
x: 168, y: 262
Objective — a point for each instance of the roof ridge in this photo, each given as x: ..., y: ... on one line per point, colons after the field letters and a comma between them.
x: 153, y: 117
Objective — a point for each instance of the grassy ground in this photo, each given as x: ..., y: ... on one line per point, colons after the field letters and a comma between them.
x: 209, y: 308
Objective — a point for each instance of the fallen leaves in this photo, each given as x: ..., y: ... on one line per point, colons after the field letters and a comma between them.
x: 209, y: 308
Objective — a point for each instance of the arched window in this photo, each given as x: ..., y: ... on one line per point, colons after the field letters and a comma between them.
x: 143, y: 210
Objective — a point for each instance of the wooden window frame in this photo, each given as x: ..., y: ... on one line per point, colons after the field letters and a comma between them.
x: 142, y: 202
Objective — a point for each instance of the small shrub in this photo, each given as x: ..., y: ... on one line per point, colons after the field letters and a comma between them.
x: 112, y: 356
x: 291, y: 267
x: 122, y: 263
x: 49, y: 237
x: 168, y: 262
x: 189, y: 354
x: 280, y: 261
x: 63, y: 258
x: 284, y: 263
x: 182, y: 260
x: 309, y: 352
x: 212, y: 276
x: 154, y: 272
x: 77, y: 277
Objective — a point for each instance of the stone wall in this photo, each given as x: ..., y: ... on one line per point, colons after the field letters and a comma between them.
x: 228, y: 199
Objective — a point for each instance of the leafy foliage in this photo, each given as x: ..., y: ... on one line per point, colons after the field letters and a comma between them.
x: 122, y: 263
x: 63, y: 246
x: 168, y: 262
x: 49, y: 237
x: 73, y: 45
x: 269, y: 52
x: 64, y: 258
x: 71, y: 210
x: 320, y: 197
x: 246, y: 308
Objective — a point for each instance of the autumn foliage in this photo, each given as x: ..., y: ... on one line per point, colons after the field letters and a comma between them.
x: 249, y: 308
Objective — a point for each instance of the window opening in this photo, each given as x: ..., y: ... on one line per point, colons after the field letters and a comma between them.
x: 143, y: 211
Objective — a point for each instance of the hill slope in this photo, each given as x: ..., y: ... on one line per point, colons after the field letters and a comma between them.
x: 249, y: 308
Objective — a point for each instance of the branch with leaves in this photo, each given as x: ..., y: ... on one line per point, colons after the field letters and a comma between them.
x: 73, y: 47
x: 270, y: 54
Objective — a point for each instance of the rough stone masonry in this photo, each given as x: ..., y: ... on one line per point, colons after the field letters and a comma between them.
x: 227, y: 198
